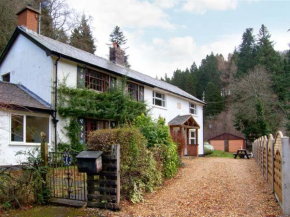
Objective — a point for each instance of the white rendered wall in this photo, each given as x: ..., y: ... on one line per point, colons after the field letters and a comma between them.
x: 171, y: 110
x: 7, y: 149
x: 30, y: 66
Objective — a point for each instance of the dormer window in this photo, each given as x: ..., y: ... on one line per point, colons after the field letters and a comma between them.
x: 192, y: 108
x: 6, y: 77
x: 159, y: 99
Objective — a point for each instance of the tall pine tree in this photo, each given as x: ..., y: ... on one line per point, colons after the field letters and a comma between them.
x: 82, y: 37
x: 247, y: 53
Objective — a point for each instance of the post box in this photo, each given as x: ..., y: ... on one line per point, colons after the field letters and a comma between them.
x: 89, y: 162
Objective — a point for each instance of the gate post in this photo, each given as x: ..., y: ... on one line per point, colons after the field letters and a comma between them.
x: 286, y: 176
x: 44, y: 157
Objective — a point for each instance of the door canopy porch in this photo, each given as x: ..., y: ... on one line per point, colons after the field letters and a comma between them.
x: 181, y: 128
x: 186, y: 121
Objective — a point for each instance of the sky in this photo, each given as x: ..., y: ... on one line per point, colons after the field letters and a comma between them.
x: 165, y: 35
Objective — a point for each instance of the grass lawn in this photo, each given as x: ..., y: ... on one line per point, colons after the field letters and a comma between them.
x: 218, y: 153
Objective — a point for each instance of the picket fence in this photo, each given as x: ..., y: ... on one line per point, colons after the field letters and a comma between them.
x: 273, y: 157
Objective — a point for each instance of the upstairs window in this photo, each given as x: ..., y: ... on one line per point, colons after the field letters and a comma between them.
x: 97, y: 81
x: 192, y: 108
x: 6, y: 77
x: 136, y: 91
x: 91, y: 79
x: 159, y: 99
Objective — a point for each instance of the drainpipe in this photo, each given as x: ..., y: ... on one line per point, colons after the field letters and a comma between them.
x: 55, y: 103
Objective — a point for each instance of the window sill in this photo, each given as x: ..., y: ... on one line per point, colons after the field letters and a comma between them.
x: 160, y: 107
x: 26, y: 144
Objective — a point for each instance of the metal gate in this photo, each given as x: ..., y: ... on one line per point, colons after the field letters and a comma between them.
x: 64, y: 180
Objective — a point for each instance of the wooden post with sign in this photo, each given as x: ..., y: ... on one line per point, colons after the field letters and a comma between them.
x: 104, y: 192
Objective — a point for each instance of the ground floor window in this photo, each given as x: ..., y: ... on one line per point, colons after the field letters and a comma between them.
x: 27, y: 129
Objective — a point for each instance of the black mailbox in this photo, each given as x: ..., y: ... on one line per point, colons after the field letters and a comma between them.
x: 89, y: 162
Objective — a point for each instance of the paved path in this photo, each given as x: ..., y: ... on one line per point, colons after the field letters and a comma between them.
x: 210, y: 187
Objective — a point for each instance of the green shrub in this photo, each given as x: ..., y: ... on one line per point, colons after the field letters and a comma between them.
x: 139, y: 171
x: 171, y: 160
x: 160, y: 143
x: 155, y: 132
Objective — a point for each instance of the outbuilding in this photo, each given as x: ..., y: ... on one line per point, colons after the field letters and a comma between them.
x: 228, y: 142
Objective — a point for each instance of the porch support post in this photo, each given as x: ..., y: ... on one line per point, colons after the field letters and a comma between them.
x: 196, y: 141
x: 183, y: 139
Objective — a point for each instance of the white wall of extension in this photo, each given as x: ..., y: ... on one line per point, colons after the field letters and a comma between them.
x: 9, y: 149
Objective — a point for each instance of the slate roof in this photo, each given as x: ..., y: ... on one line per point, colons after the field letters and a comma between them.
x: 55, y: 47
x: 20, y: 96
x: 179, y: 120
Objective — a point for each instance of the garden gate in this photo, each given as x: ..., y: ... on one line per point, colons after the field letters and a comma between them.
x: 63, y: 179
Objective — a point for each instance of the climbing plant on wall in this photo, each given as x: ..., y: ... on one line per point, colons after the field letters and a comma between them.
x: 84, y: 103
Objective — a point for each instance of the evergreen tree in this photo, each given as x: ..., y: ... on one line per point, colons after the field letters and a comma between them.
x: 82, y: 38
x: 266, y: 54
x: 118, y: 36
x: 207, y: 72
x: 247, y: 53
x: 214, y: 100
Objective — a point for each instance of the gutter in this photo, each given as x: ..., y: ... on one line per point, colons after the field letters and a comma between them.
x: 55, y: 121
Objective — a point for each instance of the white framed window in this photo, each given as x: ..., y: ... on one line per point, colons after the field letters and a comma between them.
x: 192, y: 137
x: 192, y: 108
x: 159, y: 99
x: 26, y: 129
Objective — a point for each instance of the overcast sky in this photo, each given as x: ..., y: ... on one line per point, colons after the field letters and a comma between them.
x: 164, y: 35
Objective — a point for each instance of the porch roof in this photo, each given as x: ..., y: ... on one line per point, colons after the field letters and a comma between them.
x: 184, y: 120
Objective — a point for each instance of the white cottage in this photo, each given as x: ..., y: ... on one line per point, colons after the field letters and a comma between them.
x: 37, y: 64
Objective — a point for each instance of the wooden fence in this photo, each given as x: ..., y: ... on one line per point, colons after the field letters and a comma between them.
x: 273, y: 157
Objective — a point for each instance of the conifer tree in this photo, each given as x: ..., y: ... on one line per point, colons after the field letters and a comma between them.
x: 82, y: 37
x: 118, y: 36
x: 266, y: 54
x: 214, y: 100
x: 247, y: 53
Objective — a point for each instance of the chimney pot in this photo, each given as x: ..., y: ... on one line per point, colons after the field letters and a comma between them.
x: 28, y: 17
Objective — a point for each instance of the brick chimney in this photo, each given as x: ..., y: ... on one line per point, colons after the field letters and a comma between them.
x: 28, y: 17
x: 117, y: 55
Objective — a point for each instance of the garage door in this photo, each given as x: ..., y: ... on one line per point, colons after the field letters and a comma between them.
x: 218, y: 144
x: 234, y: 145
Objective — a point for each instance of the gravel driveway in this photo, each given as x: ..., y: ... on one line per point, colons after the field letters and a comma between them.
x: 209, y: 187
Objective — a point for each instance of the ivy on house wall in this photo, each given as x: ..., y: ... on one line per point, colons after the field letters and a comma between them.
x: 84, y: 103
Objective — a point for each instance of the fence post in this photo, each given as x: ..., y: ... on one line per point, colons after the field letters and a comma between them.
x: 266, y: 160
x: 271, y: 143
x: 286, y: 175
x: 44, y: 149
